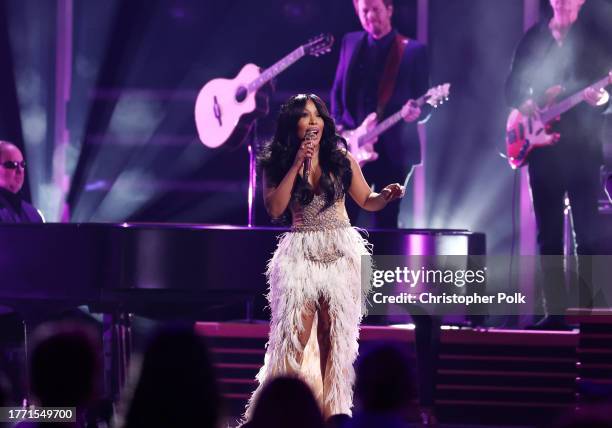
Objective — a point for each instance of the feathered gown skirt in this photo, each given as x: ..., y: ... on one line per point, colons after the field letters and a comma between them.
x: 307, y: 266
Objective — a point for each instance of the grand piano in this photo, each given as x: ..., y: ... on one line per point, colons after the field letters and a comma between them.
x: 168, y: 271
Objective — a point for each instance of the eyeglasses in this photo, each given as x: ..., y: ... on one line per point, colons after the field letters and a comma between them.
x: 13, y: 164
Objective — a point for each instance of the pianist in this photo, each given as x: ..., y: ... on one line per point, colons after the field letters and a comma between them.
x: 13, y: 209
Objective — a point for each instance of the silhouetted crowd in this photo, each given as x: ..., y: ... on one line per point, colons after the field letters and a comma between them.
x: 173, y: 384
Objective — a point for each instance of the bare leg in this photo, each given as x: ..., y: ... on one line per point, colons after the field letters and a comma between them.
x: 307, y: 319
x: 323, y: 337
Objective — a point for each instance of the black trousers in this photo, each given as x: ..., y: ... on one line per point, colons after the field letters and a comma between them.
x: 427, y: 347
x: 379, y: 174
x: 570, y: 167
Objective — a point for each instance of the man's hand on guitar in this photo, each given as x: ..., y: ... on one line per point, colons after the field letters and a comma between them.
x: 411, y: 111
x: 392, y: 192
x: 361, y: 147
x: 596, y: 98
x: 369, y: 123
x: 367, y: 153
x: 528, y: 108
x: 552, y: 93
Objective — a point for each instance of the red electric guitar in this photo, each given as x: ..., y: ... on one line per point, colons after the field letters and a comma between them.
x: 527, y: 132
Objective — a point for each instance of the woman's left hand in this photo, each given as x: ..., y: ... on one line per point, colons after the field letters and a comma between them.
x: 392, y: 192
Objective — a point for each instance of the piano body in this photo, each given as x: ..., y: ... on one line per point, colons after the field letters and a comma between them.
x: 163, y: 271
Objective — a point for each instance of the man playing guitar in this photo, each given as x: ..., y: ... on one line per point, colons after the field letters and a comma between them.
x: 558, y: 55
x: 378, y: 71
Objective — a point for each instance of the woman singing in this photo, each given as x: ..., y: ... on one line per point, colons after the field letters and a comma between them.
x: 316, y: 295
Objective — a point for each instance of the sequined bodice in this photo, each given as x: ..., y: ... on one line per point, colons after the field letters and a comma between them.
x: 310, y: 217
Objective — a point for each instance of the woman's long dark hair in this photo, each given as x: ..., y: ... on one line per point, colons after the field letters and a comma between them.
x: 278, y: 155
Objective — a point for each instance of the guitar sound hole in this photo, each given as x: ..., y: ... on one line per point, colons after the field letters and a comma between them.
x: 241, y: 94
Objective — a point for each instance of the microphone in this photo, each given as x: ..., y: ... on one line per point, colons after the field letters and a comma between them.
x: 311, y: 134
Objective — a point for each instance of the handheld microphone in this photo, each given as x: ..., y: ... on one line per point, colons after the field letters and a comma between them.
x: 310, y: 135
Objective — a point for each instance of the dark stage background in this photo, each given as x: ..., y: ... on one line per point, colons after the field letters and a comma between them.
x: 136, y: 68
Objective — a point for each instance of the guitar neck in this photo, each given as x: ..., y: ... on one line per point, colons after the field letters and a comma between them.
x: 570, y: 102
x: 386, y: 124
x: 274, y: 70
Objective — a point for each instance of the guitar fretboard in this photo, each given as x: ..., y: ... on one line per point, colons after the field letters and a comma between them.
x: 274, y: 70
x: 386, y: 124
x: 568, y: 103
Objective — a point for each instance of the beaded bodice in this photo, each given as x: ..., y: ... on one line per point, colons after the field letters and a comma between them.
x: 311, y: 218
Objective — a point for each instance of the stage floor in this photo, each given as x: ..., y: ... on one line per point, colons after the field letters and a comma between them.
x: 486, y: 377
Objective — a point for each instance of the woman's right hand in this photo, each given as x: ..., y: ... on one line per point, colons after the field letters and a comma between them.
x: 306, y: 150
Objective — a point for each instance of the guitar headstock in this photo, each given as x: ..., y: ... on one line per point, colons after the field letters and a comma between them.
x: 319, y: 45
x: 437, y: 95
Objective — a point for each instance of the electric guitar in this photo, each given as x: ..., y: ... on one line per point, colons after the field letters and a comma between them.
x: 361, y: 140
x: 225, y: 108
x: 527, y: 132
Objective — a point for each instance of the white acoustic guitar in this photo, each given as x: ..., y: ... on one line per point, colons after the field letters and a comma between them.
x: 225, y: 108
x: 361, y: 140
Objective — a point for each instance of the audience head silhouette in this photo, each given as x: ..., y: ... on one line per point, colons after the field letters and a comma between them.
x: 65, y: 364
x: 384, y: 380
x: 176, y: 385
x: 286, y: 402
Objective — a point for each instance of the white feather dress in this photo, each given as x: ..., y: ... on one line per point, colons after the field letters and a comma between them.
x: 320, y: 257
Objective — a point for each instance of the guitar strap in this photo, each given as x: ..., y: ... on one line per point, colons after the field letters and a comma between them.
x: 389, y: 76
